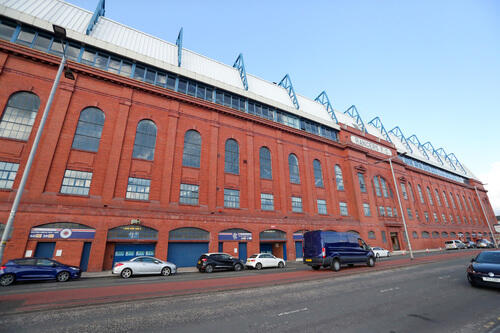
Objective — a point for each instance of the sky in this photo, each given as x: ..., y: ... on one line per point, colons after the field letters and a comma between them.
x: 431, y: 67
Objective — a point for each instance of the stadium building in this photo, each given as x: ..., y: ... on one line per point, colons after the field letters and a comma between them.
x: 152, y: 149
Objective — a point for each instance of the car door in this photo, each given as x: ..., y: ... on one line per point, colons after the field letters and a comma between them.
x: 274, y: 261
x: 226, y: 260
x: 25, y: 268
x: 268, y: 260
x: 150, y: 266
x: 45, y: 269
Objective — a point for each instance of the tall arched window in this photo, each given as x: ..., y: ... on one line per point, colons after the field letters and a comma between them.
x: 429, y: 195
x: 384, y: 187
x: 145, y: 140
x: 438, y: 200
x: 19, y: 115
x: 293, y: 166
x: 446, y: 200
x: 376, y: 184
x: 89, y: 130
x: 318, y: 174
x: 338, y: 178
x: 420, y: 193
x: 192, y: 149
x: 266, y: 171
x: 232, y: 157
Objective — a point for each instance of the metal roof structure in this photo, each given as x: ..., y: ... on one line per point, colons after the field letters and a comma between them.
x: 93, y: 28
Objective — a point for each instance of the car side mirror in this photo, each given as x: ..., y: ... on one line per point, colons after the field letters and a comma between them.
x: 473, y: 260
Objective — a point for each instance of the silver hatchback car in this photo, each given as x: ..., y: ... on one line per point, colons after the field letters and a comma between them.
x: 144, y: 265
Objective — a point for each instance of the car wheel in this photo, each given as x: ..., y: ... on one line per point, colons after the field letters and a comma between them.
x: 238, y: 267
x: 62, y: 276
x: 315, y: 267
x: 335, y: 265
x: 209, y: 269
x: 281, y: 264
x: 7, y: 280
x: 258, y: 265
x: 472, y: 283
x: 388, y: 254
x: 126, y: 273
x: 377, y: 255
x: 165, y: 271
x: 370, y: 262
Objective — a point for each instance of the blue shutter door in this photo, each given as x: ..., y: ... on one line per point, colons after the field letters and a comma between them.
x: 242, y: 251
x: 298, y: 250
x: 124, y: 252
x: 85, y: 256
x: 45, y: 249
x: 186, y: 254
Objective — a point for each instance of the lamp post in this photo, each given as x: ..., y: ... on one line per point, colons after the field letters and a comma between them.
x: 486, y: 217
x: 399, y: 200
x: 60, y: 33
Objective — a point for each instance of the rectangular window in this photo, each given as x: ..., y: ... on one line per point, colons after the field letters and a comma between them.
x: 366, y: 209
x: 381, y: 211
x: 435, y: 217
x: 7, y: 30
x: 343, y: 209
x: 362, y: 184
x: 76, y: 182
x: 150, y: 76
x: 8, y: 172
x: 426, y: 216
x: 266, y: 201
x: 189, y: 194
x: 394, y: 211
x: 138, y: 188
x: 416, y: 215
x: 384, y: 238
x: 451, y: 218
x: 297, y: 204
x: 389, y: 211
x: 403, y: 190
x: 231, y: 198
x: 410, y: 215
x: 443, y: 217
x: 322, y: 207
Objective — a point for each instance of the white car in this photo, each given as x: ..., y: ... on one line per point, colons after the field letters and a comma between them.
x: 261, y: 260
x: 454, y: 244
x: 144, y: 265
x: 381, y: 252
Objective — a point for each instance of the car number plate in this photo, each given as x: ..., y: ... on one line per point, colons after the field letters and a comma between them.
x: 488, y: 279
x: 308, y: 259
x: 199, y: 262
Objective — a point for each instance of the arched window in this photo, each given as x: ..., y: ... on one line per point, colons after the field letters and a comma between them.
x: 293, y: 166
x: 192, y: 149
x: 415, y: 235
x: 452, y: 201
x: 266, y: 171
x: 19, y: 115
x: 420, y: 193
x: 411, y: 191
x: 429, y: 195
x: 435, y: 234
x: 318, y: 174
x: 89, y: 130
x: 376, y: 185
x: 145, y: 140
x: 425, y: 234
x: 384, y: 187
x: 446, y: 200
x: 338, y: 178
x: 232, y: 157
x: 371, y: 235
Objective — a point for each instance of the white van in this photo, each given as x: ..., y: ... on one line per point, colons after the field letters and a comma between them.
x: 454, y: 245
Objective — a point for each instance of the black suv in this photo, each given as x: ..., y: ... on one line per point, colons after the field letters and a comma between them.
x: 208, y: 262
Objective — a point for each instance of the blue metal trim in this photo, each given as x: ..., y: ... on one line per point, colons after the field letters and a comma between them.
x: 428, y: 145
x: 286, y: 83
x: 396, y: 131
x: 179, y: 46
x: 99, y: 11
x: 15, y: 34
x: 353, y: 112
x: 323, y: 99
x: 444, y: 156
x: 455, y: 161
x: 413, y: 139
x: 377, y: 123
x: 240, y: 65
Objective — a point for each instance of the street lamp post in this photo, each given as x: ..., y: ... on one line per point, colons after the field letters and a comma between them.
x: 486, y: 217
x: 399, y: 201
x: 60, y: 32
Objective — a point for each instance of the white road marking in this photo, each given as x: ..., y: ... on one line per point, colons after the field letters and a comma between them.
x: 290, y: 312
x: 390, y: 289
x: 444, y: 277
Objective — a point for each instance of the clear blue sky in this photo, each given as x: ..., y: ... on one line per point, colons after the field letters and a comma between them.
x: 430, y: 67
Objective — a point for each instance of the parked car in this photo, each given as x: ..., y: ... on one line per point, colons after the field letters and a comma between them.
x: 26, y: 269
x: 261, y: 260
x: 144, y: 265
x: 333, y: 249
x: 454, y: 244
x: 470, y: 244
x: 484, y: 269
x: 381, y: 252
x: 484, y: 243
x: 209, y: 262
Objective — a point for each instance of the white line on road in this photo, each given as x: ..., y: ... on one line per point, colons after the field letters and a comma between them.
x: 290, y: 312
x: 390, y: 289
x: 444, y: 277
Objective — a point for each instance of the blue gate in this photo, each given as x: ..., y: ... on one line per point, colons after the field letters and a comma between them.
x: 298, y: 250
x: 186, y: 254
x: 124, y: 252
x: 45, y: 249
x: 242, y: 251
x: 84, y: 261
x: 266, y: 248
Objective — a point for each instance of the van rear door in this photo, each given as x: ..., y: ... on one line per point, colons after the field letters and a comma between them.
x: 313, y: 244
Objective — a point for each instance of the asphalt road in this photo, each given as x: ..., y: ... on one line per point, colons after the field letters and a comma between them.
x: 429, y: 297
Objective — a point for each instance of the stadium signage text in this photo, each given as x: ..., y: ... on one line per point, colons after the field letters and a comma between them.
x: 370, y: 145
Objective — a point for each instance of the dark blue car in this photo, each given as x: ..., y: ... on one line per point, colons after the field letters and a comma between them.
x: 27, y: 269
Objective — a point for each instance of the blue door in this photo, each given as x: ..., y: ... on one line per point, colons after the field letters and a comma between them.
x: 298, y: 250
x: 45, y: 249
x: 284, y: 251
x: 266, y: 248
x: 84, y: 261
x: 186, y: 254
x: 124, y: 252
x: 242, y: 251
x: 221, y: 247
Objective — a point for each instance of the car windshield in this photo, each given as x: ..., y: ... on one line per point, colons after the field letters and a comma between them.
x: 254, y: 256
x: 488, y: 258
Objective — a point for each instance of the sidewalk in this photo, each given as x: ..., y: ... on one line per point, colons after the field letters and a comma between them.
x: 108, y: 273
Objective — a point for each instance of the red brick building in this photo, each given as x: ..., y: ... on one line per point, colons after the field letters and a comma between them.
x: 167, y: 157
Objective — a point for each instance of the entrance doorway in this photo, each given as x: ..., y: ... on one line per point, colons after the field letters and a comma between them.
x: 395, y: 241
